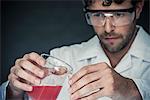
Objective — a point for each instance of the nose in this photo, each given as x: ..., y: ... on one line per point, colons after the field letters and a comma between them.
x: 109, y: 27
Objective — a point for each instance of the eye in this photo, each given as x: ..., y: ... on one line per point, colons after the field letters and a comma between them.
x: 119, y: 14
x: 98, y: 14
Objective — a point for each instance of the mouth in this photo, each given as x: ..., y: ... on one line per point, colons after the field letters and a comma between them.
x: 111, y: 39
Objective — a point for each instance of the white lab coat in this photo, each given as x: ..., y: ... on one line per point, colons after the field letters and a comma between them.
x: 134, y: 65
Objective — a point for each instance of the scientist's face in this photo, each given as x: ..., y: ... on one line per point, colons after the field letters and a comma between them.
x: 114, y: 24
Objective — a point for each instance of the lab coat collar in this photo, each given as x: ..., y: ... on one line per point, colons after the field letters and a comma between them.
x: 141, y: 45
x: 89, y: 49
x: 139, y: 49
x: 92, y: 49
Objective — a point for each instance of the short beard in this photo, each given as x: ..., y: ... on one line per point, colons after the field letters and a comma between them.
x: 120, y: 46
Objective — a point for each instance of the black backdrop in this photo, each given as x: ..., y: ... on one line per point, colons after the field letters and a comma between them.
x: 39, y: 26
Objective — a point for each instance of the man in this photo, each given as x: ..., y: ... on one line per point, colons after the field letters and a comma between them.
x: 115, y: 64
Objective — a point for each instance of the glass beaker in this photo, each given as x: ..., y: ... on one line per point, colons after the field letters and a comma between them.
x: 56, y: 71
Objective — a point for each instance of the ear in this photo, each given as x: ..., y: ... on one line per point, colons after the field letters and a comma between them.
x: 139, y: 7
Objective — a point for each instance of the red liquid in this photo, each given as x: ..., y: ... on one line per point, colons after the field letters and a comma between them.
x: 44, y: 92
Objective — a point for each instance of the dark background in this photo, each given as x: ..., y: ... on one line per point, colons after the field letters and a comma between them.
x: 39, y: 26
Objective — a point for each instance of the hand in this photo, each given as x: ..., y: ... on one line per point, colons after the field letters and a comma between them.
x: 26, y: 71
x: 99, y: 80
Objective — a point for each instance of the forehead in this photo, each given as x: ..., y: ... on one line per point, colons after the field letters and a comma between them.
x: 97, y: 5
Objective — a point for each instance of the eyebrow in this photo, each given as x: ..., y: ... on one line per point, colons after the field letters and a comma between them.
x: 111, y: 10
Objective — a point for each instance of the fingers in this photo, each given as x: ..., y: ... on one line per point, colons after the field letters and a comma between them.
x: 91, y: 88
x: 87, y: 85
x: 27, y: 65
x: 31, y: 63
x: 91, y: 82
x: 84, y: 85
x: 84, y: 81
x: 17, y: 85
x: 27, y: 76
x: 26, y: 70
x: 87, y: 90
x: 86, y: 70
x: 81, y: 73
x: 35, y: 57
x: 96, y: 95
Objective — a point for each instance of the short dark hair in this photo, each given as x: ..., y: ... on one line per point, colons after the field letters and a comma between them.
x: 87, y: 3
